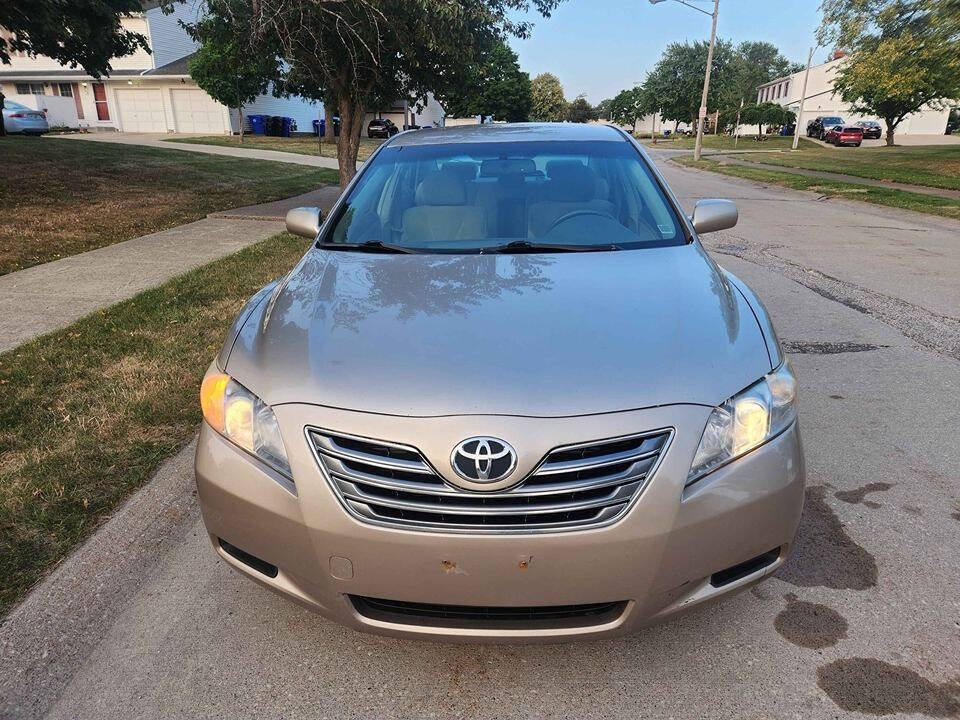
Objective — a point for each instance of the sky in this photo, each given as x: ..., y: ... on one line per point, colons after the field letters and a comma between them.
x: 599, y: 47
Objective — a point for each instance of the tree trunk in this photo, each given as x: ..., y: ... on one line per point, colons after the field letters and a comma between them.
x: 328, y: 113
x: 240, y: 123
x: 891, y: 127
x: 348, y: 144
x: 3, y: 129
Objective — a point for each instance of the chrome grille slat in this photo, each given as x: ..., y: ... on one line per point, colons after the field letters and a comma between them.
x: 573, y: 487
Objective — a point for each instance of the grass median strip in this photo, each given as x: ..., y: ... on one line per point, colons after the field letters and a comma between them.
x: 91, y: 411
x: 303, y: 145
x: 60, y: 197
x: 929, y: 204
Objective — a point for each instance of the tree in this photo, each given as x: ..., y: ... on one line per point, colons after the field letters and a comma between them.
x: 364, y: 53
x: 677, y: 79
x: 581, y: 111
x: 629, y: 106
x: 80, y: 32
x: 767, y: 113
x: 905, y: 55
x: 229, y: 65
x: 603, y: 109
x: 496, y: 87
x: 549, y: 104
x: 752, y: 65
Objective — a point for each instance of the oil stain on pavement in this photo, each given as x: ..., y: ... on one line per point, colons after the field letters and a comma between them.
x: 810, y: 625
x: 871, y: 686
x: 857, y: 497
x: 825, y: 555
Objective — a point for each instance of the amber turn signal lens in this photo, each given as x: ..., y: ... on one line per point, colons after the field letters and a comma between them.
x: 212, y: 393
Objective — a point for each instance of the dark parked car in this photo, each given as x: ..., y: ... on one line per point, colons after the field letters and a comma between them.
x: 381, y: 128
x: 871, y: 129
x: 844, y: 135
x: 818, y: 126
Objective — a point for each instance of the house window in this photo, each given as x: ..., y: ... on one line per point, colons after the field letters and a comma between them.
x: 100, y: 101
x: 29, y: 88
x: 66, y: 90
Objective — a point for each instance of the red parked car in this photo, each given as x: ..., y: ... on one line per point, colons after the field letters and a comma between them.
x: 844, y: 135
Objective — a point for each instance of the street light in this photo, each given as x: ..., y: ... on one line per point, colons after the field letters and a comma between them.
x: 702, y: 116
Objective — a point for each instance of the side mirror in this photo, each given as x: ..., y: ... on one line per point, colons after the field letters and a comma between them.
x: 304, y: 221
x: 712, y: 215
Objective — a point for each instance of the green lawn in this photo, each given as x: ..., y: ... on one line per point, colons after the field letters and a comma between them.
x: 929, y: 204
x: 302, y: 145
x: 60, y: 197
x: 725, y: 142
x: 90, y: 412
x: 934, y: 166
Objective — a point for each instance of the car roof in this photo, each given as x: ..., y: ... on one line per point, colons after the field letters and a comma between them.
x: 510, y: 132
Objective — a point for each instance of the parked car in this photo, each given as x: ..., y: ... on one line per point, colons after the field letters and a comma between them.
x: 19, y: 118
x: 844, y: 135
x: 381, y: 128
x: 871, y: 129
x: 505, y: 395
x: 787, y: 130
x: 817, y: 128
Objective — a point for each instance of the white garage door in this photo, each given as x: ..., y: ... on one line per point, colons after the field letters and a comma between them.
x: 141, y: 110
x: 196, y: 112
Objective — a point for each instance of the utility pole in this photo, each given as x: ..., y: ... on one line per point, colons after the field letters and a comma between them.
x: 803, y: 97
x: 736, y: 127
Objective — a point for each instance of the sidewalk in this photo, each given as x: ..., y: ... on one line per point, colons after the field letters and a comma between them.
x: 725, y: 159
x: 323, y: 198
x: 158, y: 141
x: 47, y: 297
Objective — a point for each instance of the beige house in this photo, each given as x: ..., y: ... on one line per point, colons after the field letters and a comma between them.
x: 820, y: 100
x: 152, y: 92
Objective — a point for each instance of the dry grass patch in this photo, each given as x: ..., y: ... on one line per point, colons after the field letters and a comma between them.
x: 69, y: 196
x: 302, y: 145
x: 90, y: 411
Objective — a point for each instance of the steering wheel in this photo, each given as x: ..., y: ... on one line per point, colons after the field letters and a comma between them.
x: 577, y: 213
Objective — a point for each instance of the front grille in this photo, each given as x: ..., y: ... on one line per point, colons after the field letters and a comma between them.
x: 488, y: 617
x: 573, y: 487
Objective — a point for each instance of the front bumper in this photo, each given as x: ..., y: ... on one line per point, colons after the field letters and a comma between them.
x: 655, y: 562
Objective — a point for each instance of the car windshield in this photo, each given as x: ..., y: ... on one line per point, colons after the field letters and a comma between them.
x: 507, y: 197
x: 11, y: 105
x: 833, y: 121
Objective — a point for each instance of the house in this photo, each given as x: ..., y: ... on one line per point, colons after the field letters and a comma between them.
x: 820, y: 100
x: 152, y: 92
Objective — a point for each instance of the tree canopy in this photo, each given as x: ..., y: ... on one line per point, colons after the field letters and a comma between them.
x: 79, y: 32
x: 676, y: 82
x: 229, y: 65
x: 365, y: 53
x: 767, y: 113
x: 549, y: 105
x: 581, y: 111
x: 905, y: 54
x: 494, y: 87
x: 630, y: 105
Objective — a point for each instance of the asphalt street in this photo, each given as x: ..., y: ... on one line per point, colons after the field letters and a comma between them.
x: 145, y: 622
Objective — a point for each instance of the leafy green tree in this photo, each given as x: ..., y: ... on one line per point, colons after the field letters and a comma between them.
x: 229, y: 65
x: 496, y: 87
x: 603, y: 109
x: 581, y: 111
x: 549, y: 104
x: 366, y: 52
x: 905, y: 55
x: 79, y: 32
x: 767, y: 113
x: 629, y: 106
x: 752, y: 65
x: 677, y: 79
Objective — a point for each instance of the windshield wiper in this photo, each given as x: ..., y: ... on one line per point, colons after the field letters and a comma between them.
x: 525, y: 246
x: 374, y: 246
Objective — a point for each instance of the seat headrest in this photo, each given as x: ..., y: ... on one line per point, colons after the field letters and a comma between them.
x: 571, y: 181
x: 507, y: 166
x: 442, y: 187
x: 466, y: 171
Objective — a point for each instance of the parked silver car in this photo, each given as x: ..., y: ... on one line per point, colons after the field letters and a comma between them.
x: 19, y: 118
x: 506, y: 395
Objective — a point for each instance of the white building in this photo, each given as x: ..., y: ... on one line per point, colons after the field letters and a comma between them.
x: 153, y: 92
x: 820, y: 100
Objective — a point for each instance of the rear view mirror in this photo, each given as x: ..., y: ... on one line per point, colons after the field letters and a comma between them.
x: 712, y: 215
x: 304, y: 221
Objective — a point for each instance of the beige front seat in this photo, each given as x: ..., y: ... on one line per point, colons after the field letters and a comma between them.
x: 572, y: 186
x: 441, y: 213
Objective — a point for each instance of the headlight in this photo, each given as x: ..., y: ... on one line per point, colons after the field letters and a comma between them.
x: 243, y: 418
x: 746, y: 421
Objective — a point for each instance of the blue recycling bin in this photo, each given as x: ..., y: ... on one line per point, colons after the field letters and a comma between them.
x: 287, y: 125
x: 258, y: 124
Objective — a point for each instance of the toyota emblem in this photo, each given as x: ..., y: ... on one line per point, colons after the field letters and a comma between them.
x: 483, y: 459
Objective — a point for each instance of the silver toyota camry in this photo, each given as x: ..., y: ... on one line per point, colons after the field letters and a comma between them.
x: 505, y: 395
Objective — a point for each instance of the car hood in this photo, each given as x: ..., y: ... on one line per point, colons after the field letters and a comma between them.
x: 525, y: 334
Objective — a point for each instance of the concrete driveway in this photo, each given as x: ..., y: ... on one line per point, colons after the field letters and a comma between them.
x: 144, y: 622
